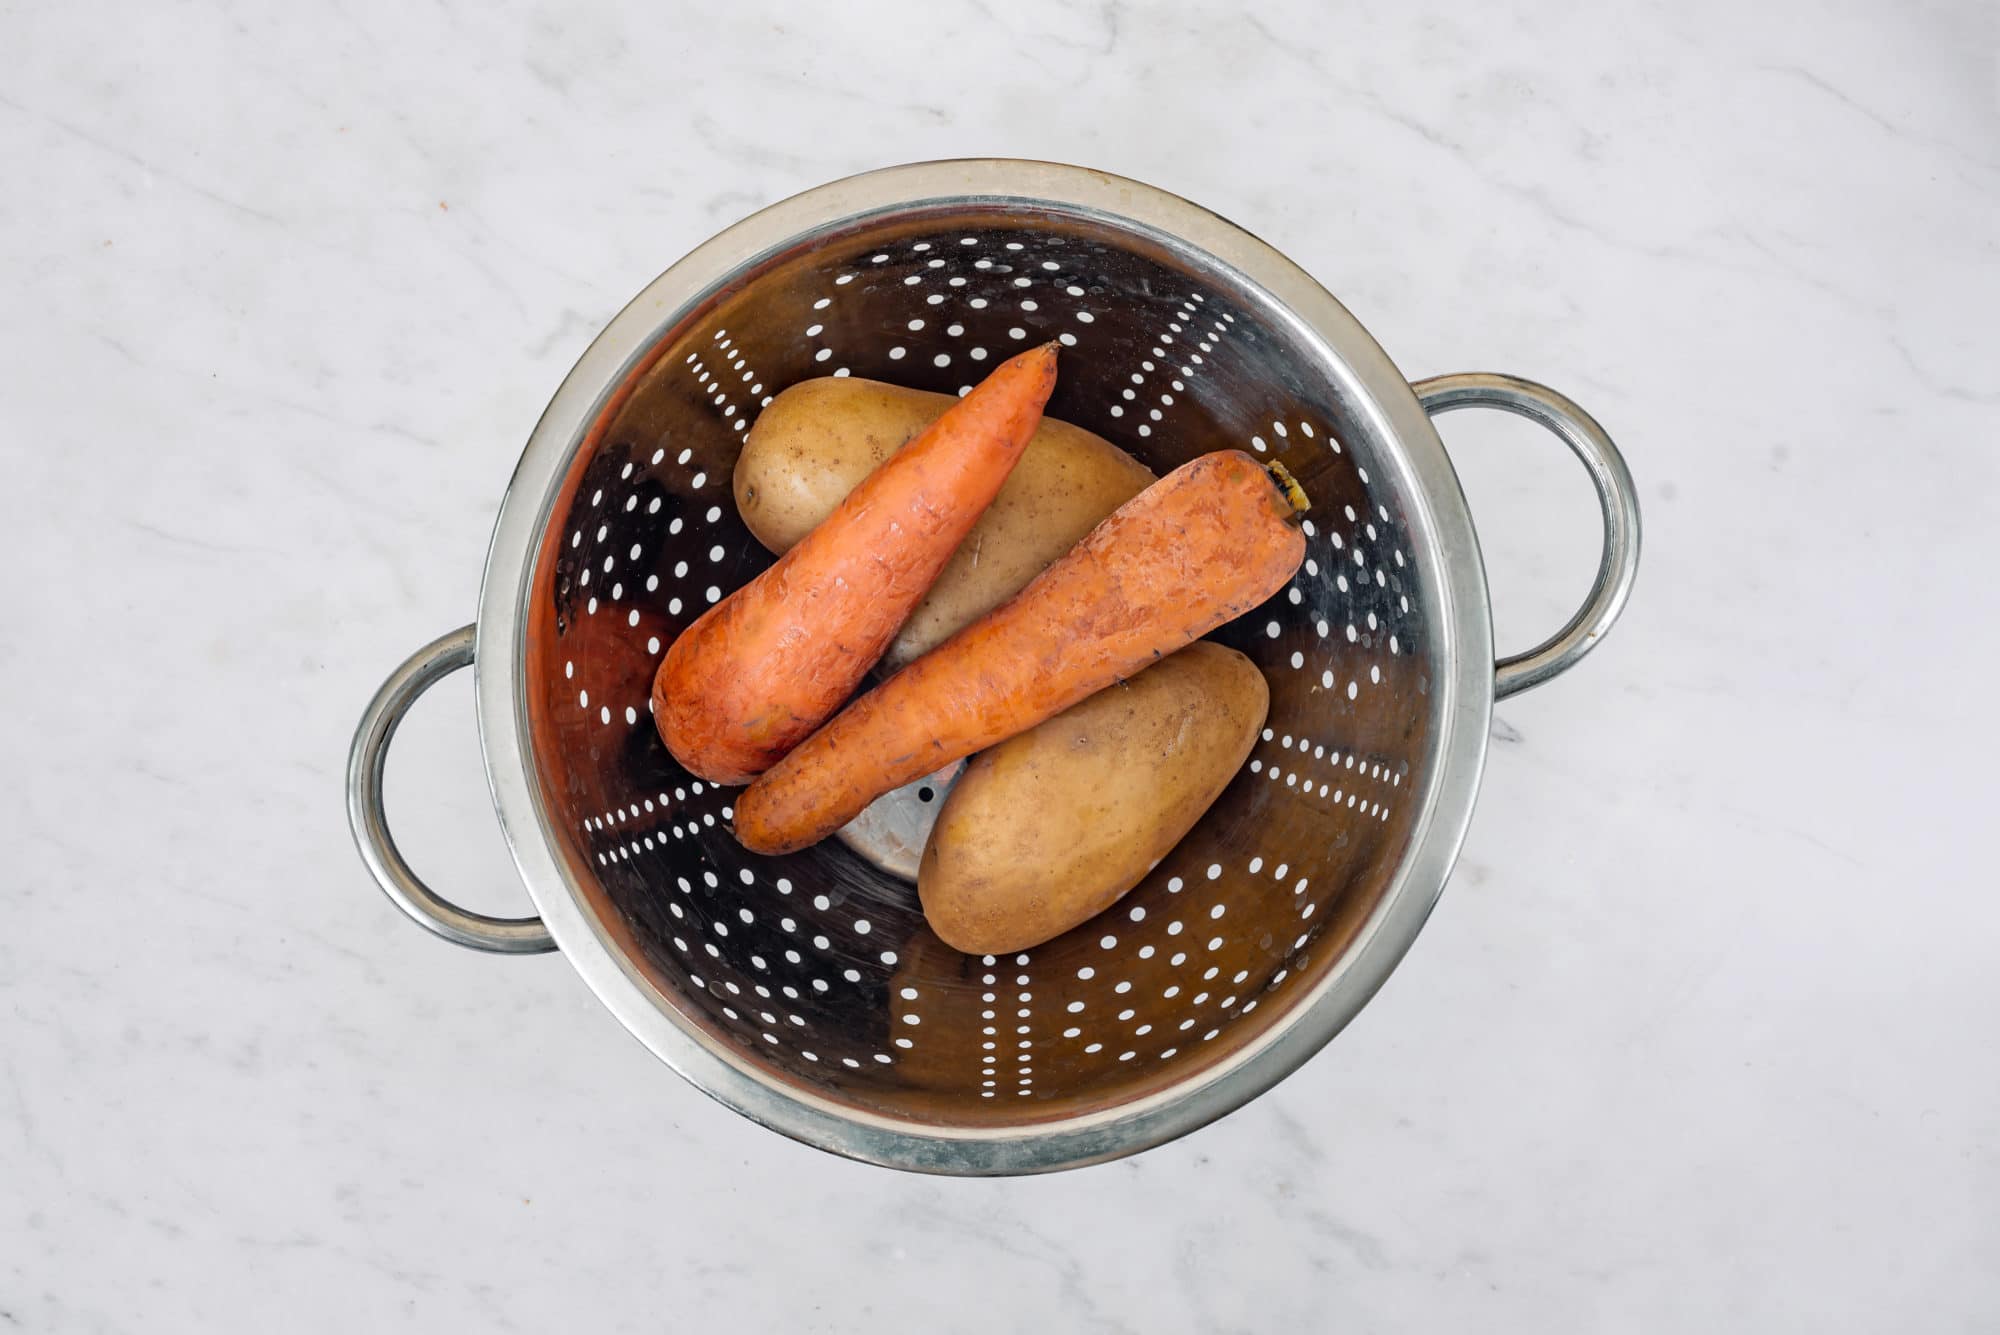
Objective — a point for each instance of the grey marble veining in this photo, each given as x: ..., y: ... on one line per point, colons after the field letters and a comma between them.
x: 1701, y: 1035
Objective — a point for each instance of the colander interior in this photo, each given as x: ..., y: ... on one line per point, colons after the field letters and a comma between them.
x: 816, y: 971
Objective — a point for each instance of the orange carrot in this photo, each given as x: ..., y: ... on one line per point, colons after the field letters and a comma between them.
x: 766, y: 665
x: 1204, y: 544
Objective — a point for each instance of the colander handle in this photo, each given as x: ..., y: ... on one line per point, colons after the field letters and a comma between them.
x: 1616, y: 495
x: 365, y: 763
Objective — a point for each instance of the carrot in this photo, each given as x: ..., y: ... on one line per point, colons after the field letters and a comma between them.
x: 1202, y: 545
x: 766, y: 665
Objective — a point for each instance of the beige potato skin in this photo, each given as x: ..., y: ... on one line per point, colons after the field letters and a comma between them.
x: 1048, y: 829
x: 820, y: 438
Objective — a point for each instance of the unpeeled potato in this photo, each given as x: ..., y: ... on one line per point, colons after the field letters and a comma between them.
x: 820, y: 438
x: 1049, y: 828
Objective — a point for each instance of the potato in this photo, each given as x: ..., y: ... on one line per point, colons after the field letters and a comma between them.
x: 820, y: 438
x: 1049, y: 828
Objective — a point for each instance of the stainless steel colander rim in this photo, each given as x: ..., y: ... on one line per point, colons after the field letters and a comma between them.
x: 1448, y: 564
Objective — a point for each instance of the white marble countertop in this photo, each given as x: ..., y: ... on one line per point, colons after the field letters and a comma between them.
x: 1702, y: 1034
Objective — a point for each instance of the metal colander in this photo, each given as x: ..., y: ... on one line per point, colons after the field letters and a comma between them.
x: 805, y: 991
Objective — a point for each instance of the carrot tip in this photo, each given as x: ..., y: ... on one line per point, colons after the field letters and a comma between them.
x: 1288, y: 484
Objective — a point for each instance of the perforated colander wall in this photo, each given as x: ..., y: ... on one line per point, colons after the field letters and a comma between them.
x: 818, y: 967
